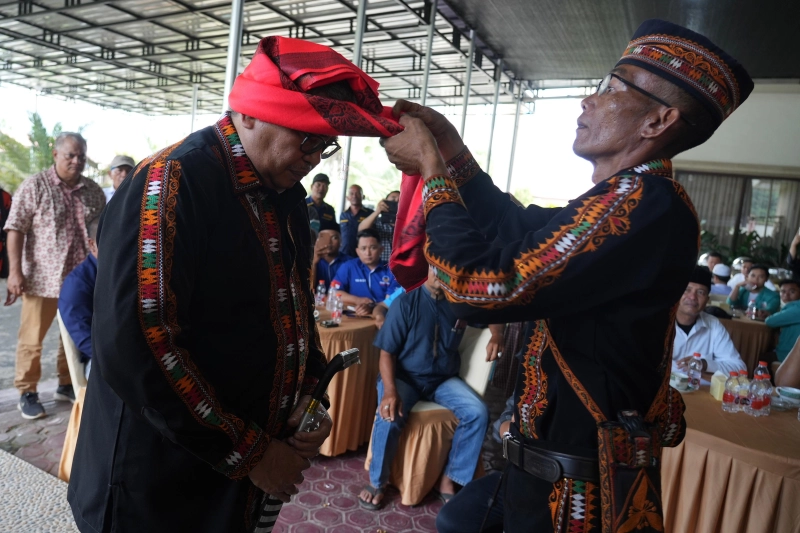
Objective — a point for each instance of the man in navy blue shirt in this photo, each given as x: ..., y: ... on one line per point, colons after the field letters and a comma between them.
x: 327, y: 257
x: 325, y: 212
x: 76, y: 300
x: 352, y: 217
x: 420, y: 361
x: 366, y: 282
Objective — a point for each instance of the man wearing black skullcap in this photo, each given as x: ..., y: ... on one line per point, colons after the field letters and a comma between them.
x: 593, y: 406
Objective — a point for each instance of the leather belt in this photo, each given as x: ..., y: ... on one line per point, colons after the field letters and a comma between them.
x: 548, y: 465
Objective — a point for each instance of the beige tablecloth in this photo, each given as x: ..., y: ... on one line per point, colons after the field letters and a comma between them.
x: 352, y: 392
x: 752, y: 339
x: 733, y: 472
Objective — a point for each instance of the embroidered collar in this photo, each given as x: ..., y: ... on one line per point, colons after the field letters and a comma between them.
x: 243, y: 174
x: 658, y: 167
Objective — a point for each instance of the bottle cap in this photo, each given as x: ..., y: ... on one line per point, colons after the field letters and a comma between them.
x: 742, y: 372
x: 321, y: 281
x: 695, y: 354
x: 762, y: 363
x: 732, y: 373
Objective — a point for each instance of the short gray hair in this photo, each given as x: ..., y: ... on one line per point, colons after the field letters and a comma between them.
x: 77, y: 137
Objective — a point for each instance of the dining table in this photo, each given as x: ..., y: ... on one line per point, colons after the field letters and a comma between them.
x: 733, y: 472
x: 752, y: 339
x: 352, y: 392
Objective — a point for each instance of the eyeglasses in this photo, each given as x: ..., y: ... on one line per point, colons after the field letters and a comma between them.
x: 602, y: 87
x: 312, y: 144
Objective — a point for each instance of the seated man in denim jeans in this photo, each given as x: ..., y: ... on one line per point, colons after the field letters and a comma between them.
x: 420, y: 361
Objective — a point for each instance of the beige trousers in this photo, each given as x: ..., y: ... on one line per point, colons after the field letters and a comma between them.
x: 35, y: 319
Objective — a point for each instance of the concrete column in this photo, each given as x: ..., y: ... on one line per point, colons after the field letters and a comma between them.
x: 234, y: 49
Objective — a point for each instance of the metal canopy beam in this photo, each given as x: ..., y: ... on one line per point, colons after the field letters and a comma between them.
x: 154, y: 68
x: 234, y: 49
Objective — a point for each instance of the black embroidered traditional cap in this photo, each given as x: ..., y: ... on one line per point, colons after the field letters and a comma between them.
x: 692, y: 62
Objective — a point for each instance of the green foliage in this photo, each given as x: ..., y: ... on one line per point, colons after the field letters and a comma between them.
x: 18, y: 161
x: 749, y: 245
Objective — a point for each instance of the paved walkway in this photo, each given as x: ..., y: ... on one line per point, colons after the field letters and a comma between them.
x: 9, y: 326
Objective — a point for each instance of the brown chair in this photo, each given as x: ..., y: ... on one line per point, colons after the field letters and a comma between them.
x: 425, y: 442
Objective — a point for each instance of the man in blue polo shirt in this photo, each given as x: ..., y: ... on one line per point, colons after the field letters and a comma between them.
x: 352, y: 217
x: 367, y: 281
x: 328, y: 258
x: 420, y: 361
x: 76, y: 299
x: 325, y: 212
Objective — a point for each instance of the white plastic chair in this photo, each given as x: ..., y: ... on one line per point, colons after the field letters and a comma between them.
x: 77, y: 369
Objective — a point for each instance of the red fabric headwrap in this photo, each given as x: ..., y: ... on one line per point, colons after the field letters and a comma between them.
x: 269, y: 89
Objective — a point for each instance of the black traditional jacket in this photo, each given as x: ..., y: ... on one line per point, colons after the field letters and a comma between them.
x: 606, y: 272
x: 203, y: 338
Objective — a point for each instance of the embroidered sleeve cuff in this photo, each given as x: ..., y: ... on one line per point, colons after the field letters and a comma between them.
x: 246, y: 453
x: 463, y: 167
x: 438, y: 190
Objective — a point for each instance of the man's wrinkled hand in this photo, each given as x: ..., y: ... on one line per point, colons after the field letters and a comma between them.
x: 414, y: 150
x: 279, y: 471
x: 391, y: 406
x: 495, y: 347
x: 307, y: 444
x: 445, y: 133
x: 15, y: 286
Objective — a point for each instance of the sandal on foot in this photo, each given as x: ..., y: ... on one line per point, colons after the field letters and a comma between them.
x: 443, y: 496
x: 368, y: 504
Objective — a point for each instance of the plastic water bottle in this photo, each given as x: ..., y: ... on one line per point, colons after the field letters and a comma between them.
x: 751, y: 310
x: 766, y: 395
x: 338, y: 309
x: 730, y: 398
x: 320, y: 296
x: 330, y: 304
x: 760, y: 391
x: 761, y: 370
x: 695, y: 368
x: 744, y: 389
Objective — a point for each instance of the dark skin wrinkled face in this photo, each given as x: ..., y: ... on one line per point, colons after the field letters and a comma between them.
x: 611, y: 122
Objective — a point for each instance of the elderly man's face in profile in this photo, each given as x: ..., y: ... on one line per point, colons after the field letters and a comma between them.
x: 277, y: 156
x: 610, y: 122
x: 694, y: 299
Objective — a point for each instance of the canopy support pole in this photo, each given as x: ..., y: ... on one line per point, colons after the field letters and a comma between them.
x: 468, y: 82
x: 494, y: 112
x: 514, y: 137
x: 361, y: 19
x: 426, y: 76
x: 234, y: 49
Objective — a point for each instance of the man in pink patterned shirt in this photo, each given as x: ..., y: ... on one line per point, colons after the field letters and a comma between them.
x: 46, y: 239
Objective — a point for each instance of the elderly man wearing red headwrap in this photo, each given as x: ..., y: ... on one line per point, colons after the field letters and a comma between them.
x: 205, y: 342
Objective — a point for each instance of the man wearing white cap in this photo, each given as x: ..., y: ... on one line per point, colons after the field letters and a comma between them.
x: 720, y: 275
x: 121, y: 166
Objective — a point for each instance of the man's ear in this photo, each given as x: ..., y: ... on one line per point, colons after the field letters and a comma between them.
x: 247, y: 121
x: 659, y: 121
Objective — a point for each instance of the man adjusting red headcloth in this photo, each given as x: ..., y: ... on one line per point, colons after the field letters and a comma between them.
x: 206, y: 351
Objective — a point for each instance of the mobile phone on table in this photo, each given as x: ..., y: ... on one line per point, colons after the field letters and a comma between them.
x: 329, y: 324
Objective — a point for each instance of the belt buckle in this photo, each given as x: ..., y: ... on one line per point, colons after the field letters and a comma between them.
x: 506, y: 437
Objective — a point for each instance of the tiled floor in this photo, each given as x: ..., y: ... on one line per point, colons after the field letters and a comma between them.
x: 328, y: 499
